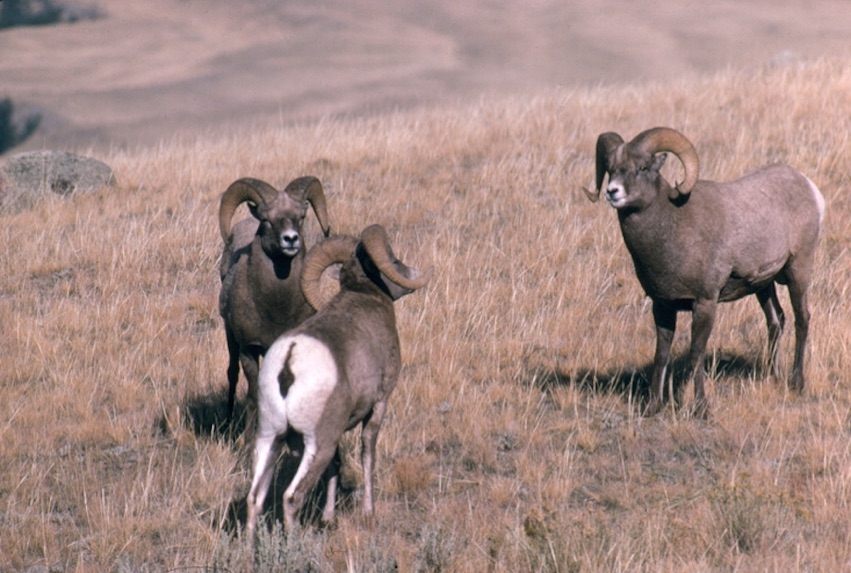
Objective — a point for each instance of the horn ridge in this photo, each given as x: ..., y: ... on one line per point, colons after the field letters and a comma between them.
x: 309, y: 188
x: 238, y: 192
x: 377, y: 245
x: 337, y: 249
x: 659, y: 139
x: 606, y: 145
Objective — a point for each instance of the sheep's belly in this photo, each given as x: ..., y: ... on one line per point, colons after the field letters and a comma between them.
x: 738, y: 286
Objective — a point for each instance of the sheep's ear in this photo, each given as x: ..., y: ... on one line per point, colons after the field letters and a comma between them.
x: 658, y: 161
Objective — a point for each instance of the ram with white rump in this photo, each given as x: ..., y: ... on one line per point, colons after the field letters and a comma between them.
x: 334, y: 371
x: 701, y: 242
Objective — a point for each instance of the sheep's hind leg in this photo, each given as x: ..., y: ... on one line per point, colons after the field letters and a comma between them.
x: 266, y: 450
x: 313, y: 462
x: 369, y: 438
x: 800, y: 307
x: 333, y: 476
x: 776, y: 321
x: 665, y: 319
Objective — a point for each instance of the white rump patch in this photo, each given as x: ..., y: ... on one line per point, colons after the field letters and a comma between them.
x: 314, y: 375
x: 819, y: 199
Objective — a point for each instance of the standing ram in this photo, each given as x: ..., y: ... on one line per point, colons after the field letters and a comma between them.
x: 702, y: 242
x: 261, y: 269
x: 333, y: 372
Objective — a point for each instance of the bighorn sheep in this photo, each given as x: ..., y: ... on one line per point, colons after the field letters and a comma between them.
x: 702, y: 242
x: 261, y: 267
x: 332, y: 372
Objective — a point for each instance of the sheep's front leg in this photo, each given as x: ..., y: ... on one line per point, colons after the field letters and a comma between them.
x: 703, y: 318
x: 250, y: 361
x: 369, y: 437
x: 665, y: 319
x: 233, y: 371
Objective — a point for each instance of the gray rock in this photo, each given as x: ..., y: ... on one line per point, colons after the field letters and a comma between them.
x: 27, y: 176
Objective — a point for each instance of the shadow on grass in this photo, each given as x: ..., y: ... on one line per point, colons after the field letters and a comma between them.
x: 207, y: 416
x: 633, y: 383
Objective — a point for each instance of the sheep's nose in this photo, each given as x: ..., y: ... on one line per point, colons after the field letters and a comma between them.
x: 289, y: 239
x: 614, y: 188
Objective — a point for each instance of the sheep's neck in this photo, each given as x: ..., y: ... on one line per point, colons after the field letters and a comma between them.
x: 656, y: 244
x: 277, y: 288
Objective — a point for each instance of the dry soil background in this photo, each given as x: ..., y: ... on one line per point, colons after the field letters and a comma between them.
x: 151, y: 71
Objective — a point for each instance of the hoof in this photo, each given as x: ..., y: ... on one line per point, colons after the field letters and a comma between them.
x: 654, y: 407
x: 796, y: 384
x: 701, y: 410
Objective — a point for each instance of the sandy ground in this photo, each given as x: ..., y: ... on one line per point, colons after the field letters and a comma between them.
x: 151, y: 71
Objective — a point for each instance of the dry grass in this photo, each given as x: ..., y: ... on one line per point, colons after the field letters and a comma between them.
x: 513, y: 441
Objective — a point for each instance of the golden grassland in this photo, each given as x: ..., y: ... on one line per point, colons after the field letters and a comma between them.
x: 513, y: 441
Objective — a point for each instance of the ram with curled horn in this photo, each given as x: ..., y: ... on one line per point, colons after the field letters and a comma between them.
x: 261, y: 267
x: 333, y: 372
x: 701, y: 242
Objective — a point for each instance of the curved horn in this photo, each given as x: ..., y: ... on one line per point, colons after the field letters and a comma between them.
x: 659, y: 139
x: 242, y: 190
x: 377, y: 245
x: 606, y: 145
x: 338, y: 249
x: 309, y: 188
